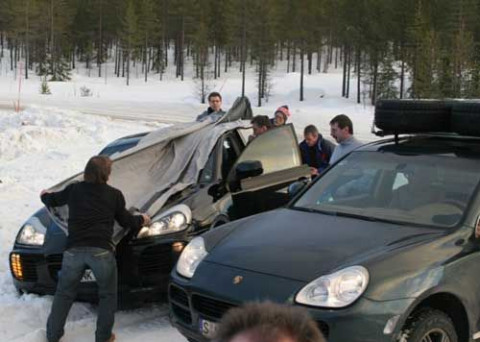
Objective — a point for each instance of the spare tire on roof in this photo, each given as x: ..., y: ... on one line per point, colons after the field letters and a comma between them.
x: 466, y: 118
x: 412, y: 116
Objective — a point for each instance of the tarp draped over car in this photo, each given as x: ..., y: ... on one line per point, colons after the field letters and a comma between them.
x: 165, y: 162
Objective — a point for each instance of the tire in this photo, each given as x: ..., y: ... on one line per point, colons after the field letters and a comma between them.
x: 466, y: 118
x: 405, y: 116
x: 429, y: 323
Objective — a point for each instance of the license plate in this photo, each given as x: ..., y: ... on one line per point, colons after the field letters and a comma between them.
x: 88, y: 277
x: 208, y: 328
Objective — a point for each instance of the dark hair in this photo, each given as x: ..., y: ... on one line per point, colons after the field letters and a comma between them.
x: 98, y: 170
x: 343, y: 121
x: 268, y: 322
x: 261, y: 120
x: 214, y: 94
x: 310, y: 129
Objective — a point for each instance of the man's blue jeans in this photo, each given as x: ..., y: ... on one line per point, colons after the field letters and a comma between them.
x: 103, y: 264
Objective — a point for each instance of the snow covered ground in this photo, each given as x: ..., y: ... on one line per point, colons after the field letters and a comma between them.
x: 39, y: 148
x: 53, y: 137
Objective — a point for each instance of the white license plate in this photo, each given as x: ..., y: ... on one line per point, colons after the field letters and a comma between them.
x: 208, y: 328
x: 88, y: 277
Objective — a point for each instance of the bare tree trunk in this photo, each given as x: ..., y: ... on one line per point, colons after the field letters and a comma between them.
x: 359, y: 72
x: 11, y: 54
x: 116, y: 60
x: 100, y: 40
x: 310, y: 57
x: 347, y: 95
x: 319, y: 59
x: 344, y: 79
x: 51, y: 38
x: 73, y: 58
x: 375, y: 76
x: 182, y: 42
x: 227, y: 55
x: 294, y: 52
x: 288, y: 57
x: 244, y: 47
x: 146, y: 56
x: 260, y: 72
x: 336, y: 58
x: 301, y: 71
x: 27, y: 44
x: 128, y: 62
x: 123, y: 62
x: 402, y: 72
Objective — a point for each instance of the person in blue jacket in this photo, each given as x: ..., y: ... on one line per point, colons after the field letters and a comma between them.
x: 316, y: 151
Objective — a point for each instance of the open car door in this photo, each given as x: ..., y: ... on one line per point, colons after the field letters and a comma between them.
x: 260, y: 177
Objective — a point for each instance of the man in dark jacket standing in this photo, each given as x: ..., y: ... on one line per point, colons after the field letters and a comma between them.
x: 214, y: 108
x: 315, y: 150
x: 93, y: 207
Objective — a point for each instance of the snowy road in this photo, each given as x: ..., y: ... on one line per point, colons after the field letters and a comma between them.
x: 125, y: 110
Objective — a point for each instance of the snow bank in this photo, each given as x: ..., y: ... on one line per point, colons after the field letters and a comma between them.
x: 38, y: 148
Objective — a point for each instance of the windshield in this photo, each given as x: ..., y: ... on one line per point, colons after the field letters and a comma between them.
x: 431, y: 190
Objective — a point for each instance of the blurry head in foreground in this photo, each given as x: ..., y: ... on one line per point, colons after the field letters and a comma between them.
x: 268, y: 322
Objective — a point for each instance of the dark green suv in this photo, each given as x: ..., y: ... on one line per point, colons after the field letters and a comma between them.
x: 381, y: 247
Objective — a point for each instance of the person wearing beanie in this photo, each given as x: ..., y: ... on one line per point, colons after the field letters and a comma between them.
x: 281, y: 116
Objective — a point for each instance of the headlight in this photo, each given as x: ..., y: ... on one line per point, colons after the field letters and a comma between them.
x: 335, y: 290
x: 32, y: 232
x: 173, y: 220
x: 191, y: 257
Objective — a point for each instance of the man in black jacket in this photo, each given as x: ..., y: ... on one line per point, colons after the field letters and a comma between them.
x: 316, y: 151
x: 93, y: 207
x: 214, y: 107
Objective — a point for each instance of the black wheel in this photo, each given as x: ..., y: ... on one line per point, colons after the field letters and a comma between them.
x: 466, y: 118
x: 429, y: 325
x: 411, y: 116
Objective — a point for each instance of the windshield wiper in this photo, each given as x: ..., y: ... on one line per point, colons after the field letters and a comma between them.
x: 350, y: 215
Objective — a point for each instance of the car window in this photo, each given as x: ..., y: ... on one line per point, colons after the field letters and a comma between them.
x: 277, y: 149
x: 208, y: 172
x: 109, y: 150
x: 229, y: 155
x: 420, y: 189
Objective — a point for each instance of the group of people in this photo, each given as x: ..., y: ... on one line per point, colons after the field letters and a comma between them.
x: 94, y: 206
x: 316, y: 151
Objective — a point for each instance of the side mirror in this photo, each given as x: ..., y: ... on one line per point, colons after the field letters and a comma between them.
x: 249, y: 168
x: 296, y: 187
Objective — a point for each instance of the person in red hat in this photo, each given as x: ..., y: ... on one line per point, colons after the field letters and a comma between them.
x: 281, y: 116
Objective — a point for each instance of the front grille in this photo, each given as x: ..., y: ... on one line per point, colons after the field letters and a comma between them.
x: 54, y: 262
x: 323, y: 327
x: 210, y: 307
x: 179, y: 296
x: 156, y: 259
x: 180, y: 305
x: 183, y: 315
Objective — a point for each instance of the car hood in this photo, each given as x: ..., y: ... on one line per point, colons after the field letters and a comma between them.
x: 302, y: 245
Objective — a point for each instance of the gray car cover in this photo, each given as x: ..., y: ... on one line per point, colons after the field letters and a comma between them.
x: 163, y: 163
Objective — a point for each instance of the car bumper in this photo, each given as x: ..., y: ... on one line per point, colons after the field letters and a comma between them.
x: 143, y: 270
x: 212, y: 292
